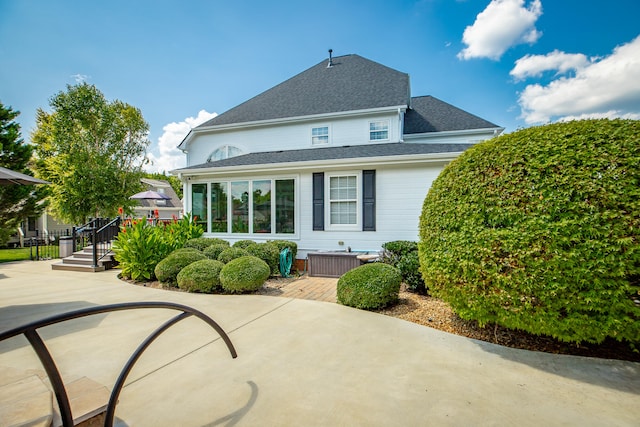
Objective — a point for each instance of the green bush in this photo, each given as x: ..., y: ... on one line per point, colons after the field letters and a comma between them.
x: 214, y: 250
x: 244, y: 274
x: 370, y: 286
x: 242, y: 244
x: 140, y: 246
x: 539, y: 230
x: 201, y: 276
x: 281, y: 244
x: 268, y: 252
x: 231, y: 253
x: 403, y: 255
x: 167, y: 270
x: 201, y: 243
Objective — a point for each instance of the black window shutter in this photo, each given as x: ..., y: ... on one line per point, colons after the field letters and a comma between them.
x: 369, y: 200
x: 318, y: 201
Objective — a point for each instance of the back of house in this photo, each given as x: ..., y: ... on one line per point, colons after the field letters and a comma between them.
x: 338, y: 157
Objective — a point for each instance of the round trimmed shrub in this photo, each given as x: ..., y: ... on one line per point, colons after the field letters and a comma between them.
x: 244, y: 274
x: 539, y: 230
x: 231, y: 254
x: 214, y: 251
x: 370, y: 286
x: 242, y: 244
x: 267, y: 252
x: 167, y: 270
x: 201, y: 276
x: 201, y: 243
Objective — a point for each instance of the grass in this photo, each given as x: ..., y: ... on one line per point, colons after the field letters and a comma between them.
x: 20, y: 254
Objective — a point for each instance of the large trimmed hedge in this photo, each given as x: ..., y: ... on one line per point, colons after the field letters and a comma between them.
x: 539, y: 230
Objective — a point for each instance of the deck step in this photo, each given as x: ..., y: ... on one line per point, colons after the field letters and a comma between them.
x: 82, y: 260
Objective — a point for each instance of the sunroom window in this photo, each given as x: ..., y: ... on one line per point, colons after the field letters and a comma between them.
x: 262, y: 206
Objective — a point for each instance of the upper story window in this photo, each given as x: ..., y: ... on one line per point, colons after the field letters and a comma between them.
x: 320, y: 135
x: 378, y: 131
x: 224, y: 152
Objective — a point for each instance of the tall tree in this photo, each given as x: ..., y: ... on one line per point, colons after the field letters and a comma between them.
x: 17, y: 202
x: 92, y: 152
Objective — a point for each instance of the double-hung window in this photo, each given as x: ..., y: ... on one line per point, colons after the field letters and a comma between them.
x: 343, y: 200
x: 379, y: 130
x: 320, y: 135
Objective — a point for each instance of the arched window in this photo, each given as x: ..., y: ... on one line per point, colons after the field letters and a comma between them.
x: 224, y: 152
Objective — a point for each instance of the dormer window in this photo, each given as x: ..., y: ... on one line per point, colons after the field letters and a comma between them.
x: 379, y: 131
x: 224, y: 152
x: 320, y: 135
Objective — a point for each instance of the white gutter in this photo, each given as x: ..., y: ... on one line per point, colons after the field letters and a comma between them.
x: 495, y: 132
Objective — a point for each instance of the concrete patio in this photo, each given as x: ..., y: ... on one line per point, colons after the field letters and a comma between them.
x: 300, y: 362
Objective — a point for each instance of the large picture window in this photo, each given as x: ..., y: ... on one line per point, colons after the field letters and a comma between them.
x: 264, y: 206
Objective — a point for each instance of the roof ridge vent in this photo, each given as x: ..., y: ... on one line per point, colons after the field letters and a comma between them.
x: 330, y: 59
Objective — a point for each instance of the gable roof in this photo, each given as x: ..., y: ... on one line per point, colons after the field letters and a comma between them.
x: 351, y: 83
x: 332, y: 153
x: 429, y: 114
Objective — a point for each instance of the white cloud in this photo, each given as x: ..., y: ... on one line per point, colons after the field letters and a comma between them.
x: 535, y: 65
x: 504, y: 23
x: 170, y: 156
x: 609, y: 87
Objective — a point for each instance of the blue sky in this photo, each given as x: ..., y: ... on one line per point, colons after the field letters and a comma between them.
x: 516, y: 63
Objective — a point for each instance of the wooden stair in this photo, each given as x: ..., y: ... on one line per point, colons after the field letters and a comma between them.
x: 83, y: 261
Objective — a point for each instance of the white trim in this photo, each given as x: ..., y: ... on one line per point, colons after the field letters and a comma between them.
x: 209, y: 180
x: 247, y: 125
x: 320, y: 126
x: 383, y: 122
x: 327, y: 201
x: 490, y: 132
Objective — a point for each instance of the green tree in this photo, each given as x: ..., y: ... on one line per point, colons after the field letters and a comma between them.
x: 17, y: 202
x: 92, y: 152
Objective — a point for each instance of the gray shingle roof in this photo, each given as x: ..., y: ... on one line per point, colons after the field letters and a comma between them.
x: 352, y: 83
x: 332, y: 153
x: 429, y: 114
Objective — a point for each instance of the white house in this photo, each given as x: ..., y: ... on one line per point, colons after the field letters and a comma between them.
x: 339, y: 156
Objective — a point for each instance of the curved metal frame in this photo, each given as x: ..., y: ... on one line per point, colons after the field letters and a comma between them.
x: 29, y: 331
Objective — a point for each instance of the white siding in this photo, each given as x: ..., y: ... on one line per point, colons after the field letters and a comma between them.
x: 344, y: 131
x: 400, y: 193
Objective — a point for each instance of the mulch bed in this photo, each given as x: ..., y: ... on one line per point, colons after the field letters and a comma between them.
x: 435, y: 313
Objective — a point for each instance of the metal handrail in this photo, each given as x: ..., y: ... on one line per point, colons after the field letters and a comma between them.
x: 29, y: 331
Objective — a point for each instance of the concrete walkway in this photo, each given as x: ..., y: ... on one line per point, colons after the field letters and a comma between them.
x: 301, y: 362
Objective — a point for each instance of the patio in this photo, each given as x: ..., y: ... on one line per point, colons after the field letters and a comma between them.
x: 300, y: 362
